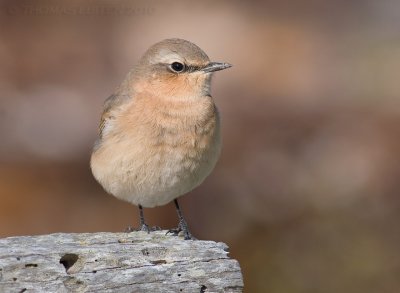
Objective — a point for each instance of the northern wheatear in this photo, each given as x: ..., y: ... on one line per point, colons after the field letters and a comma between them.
x: 159, y: 135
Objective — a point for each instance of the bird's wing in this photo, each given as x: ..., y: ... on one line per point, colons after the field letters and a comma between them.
x: 111, y: 106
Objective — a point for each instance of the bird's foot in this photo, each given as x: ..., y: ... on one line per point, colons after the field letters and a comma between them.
x: 143, y: 227
x: 182, y: 227
x: 174, y: 231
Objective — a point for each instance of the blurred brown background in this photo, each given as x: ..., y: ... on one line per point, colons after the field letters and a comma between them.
x: 306, y: 191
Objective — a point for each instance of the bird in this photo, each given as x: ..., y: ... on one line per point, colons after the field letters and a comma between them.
x: 159, y: 133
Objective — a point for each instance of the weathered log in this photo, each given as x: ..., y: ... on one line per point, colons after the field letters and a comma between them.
x: 116, y: 262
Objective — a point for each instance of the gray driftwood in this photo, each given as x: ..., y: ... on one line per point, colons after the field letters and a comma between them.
x: 116, y: 262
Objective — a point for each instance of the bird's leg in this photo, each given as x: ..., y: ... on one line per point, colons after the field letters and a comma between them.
x: 142, y: 224
x: 182, y: 226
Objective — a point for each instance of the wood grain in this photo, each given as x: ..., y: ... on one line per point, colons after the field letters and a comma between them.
x: 116, y: 262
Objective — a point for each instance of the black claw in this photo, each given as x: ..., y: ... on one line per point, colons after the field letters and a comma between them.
x: 174, y: 232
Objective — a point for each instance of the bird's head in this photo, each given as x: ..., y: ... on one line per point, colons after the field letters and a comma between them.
x: 176, y: 68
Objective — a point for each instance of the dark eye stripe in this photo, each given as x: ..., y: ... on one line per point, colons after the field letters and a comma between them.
x: 188, y: 68
x: 193, y: 68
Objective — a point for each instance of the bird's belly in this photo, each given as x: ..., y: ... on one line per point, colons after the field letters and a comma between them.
x: 154, y: 174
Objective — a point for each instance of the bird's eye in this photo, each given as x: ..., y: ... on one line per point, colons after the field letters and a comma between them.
x: 177, y: 66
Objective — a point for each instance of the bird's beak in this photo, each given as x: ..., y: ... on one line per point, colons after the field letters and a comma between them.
x: 215, y: 66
